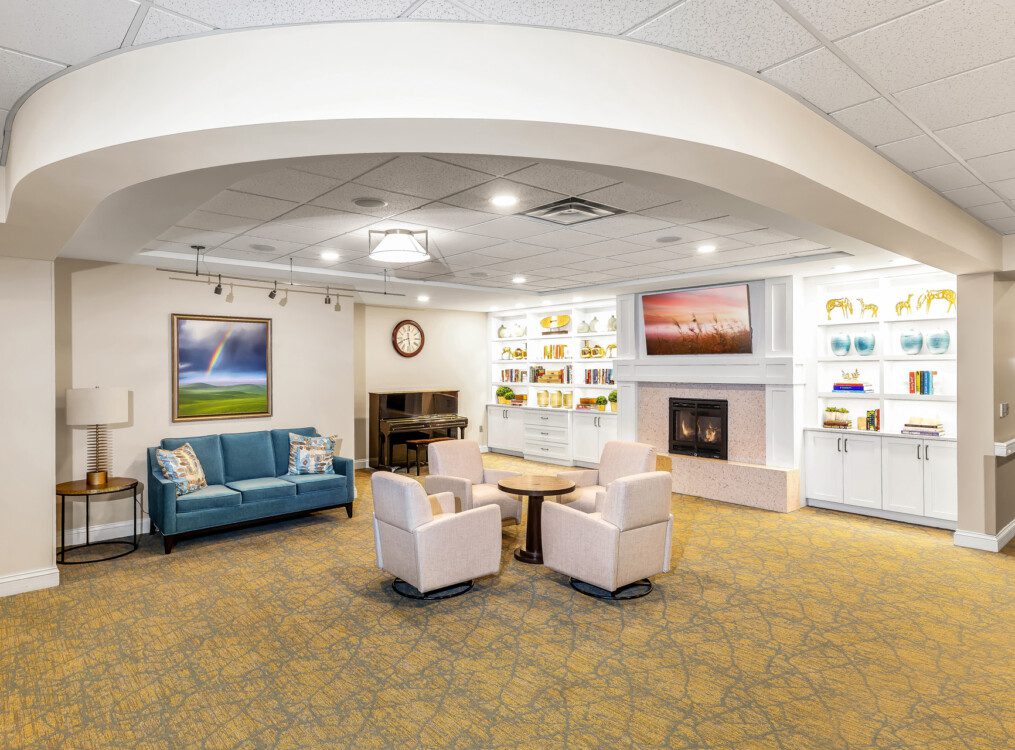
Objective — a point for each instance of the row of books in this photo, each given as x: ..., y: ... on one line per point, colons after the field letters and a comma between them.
x: 599, y: 376
x: 513, y: 376
x: 542, y: 375
x: 871, y: 422
x: 922, y: 382
x: 853, y: 387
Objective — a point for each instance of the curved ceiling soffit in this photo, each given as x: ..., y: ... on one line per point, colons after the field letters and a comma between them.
x: 216, y: 100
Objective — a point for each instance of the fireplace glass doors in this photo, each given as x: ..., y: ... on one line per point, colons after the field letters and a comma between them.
x: 698, y: 427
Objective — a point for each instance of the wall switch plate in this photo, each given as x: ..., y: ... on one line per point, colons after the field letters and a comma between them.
x: 1003, y: 411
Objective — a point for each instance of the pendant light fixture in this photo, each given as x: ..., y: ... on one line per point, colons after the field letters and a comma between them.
x: 399, y: 246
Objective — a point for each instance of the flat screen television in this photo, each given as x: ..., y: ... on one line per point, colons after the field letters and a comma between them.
x: 707, y: 320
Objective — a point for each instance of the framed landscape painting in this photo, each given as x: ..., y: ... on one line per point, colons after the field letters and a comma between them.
x: 221, y: 367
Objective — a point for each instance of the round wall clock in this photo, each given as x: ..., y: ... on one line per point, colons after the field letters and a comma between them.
x: 407, y: 338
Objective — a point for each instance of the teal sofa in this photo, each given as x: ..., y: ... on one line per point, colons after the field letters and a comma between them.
x: 247, y: 482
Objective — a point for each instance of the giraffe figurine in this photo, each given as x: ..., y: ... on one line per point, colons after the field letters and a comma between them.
x: 865, y: 306
x: 932, y: 294
x: 842, y: 303
x: 904, y: 304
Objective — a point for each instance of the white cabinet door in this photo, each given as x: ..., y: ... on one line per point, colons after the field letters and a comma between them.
x: 824, y: 466
x: 497, y: 428
x: 585, y: 438
x: 861, y: 471
x: 515, y: 436
x: 902, y: 475
x: 608, y: 427
x: 940, y: 480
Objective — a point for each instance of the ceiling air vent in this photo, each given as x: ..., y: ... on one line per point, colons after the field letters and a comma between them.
x: 572, y: 211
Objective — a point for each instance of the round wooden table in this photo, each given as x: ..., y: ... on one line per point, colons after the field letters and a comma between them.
x: 81, y: 489
x: 534, y: 487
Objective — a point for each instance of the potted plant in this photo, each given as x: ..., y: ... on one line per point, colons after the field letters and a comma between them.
x: 505, y: 395
x: 613, y: 400
x: 601, y: 403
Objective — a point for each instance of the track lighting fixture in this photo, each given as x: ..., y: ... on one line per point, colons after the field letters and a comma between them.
x: 338, y: 305
x: 327, y: 296
x: 218, y: 287
x: 274, y: 292
x: 285, y: 299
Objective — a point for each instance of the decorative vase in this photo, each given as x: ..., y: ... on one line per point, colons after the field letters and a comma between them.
x: 911, y: 341
x: 568, y: 400
x: 557, y: 399
x: 543, y: 398
x: 938, y: 341
x: 864, y: 344
x: 593, y: 325
x: 502, y: 332
x: 520, y: 330
x: 840, y: 344
x: 583, y: 327
x: 613, y: 406
x: 601, y: 407
x: 611, y: 324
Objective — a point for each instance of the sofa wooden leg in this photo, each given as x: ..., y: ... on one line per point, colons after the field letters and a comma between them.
x: 168, y: 542
x: 348, y: 509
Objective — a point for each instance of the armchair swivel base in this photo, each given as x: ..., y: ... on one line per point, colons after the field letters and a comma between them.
x: 409, y: 591
x: 634, y: 590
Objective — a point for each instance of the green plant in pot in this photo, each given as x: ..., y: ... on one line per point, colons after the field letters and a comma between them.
x: 505, y: 395
x: 601, y: 403
x: 613, y: 400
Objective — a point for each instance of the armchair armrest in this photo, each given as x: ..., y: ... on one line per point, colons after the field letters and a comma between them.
x: 580, y: 477
x: 444, y: 501
x: 492, y: 476
x: 458, y: 547
x: 346, y: 468
x: 460, y: 488
x: 163, y: 510
x: 581, y: 545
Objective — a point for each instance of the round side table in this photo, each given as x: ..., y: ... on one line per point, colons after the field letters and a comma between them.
x: 534, y: 487
x: 79, y: 489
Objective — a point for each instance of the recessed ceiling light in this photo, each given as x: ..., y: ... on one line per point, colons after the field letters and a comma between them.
x: 518, y: 280
x: 422, y: 298
x: 329, y: 255
x: 668, y: 239
x: 504, y: 200
x: 706, y: 248
x: 370, y: 203
x: 263, y: 248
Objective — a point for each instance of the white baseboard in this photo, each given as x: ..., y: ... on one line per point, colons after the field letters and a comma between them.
x: 361, y: 463
x: 29, y: 580
x: 986, y: 542
x: 104, y: 532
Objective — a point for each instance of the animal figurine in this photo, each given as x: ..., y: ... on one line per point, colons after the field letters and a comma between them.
x: 842, y: 303
x: 865, y: 306
x: 855, y: 375
x: 905, y: 304
x: 932, y: 294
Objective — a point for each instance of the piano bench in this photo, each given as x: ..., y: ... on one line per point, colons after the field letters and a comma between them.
x: 416, y: 445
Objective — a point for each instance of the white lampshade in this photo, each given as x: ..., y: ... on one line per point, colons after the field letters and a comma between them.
x: 88, y: 406
x: 399, y: 246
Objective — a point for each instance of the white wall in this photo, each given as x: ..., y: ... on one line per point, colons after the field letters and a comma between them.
x: 120, y: 336
x: 27, y: 555
x: 454, y: 357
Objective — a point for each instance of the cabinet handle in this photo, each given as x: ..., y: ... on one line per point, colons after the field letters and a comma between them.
x: 546, y: 450
x: 544, y: 433
x: 917, y: 452
x: 845, y: 445
x: 926, y: 453
x: 544, y: 418
x: 838, y: 445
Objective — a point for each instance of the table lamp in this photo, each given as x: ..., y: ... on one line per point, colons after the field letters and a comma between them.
x: 95, y: 408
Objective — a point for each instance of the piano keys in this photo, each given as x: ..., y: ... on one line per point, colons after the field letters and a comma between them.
x: 398, y: 416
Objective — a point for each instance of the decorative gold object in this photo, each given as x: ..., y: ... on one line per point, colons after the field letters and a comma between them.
x: 855, y: 375
x: 557, y: 399
x: 586, y: 350
x: 842, y: 303
x: 506, y: 353
x: 568, y: 400
x: 598, y: 352
x: 904, y: 304
x: 611, y: 351
x: 932, y: 294
x: 555, y: 324
x: 543, y: 398
x: 520, y: 353
x: 865, y: 306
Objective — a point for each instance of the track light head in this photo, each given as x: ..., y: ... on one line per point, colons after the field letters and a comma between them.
x: 274, y: 292
x: 327, y: 299
x: 338, y: 305
x: 218, y: 287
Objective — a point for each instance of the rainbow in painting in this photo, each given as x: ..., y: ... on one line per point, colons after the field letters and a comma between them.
x: 221, y: 367
x: 709, y: 320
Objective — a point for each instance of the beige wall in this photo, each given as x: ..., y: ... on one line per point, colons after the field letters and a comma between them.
x: 120, y: 336
x: 1004, y: 390
x: 454, y: 356
x: 27, y: 553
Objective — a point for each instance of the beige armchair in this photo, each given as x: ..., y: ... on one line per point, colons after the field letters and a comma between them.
x: 433, y: 552
x: 610, y: 554
x: 456, y: 466
x: 619, y: 459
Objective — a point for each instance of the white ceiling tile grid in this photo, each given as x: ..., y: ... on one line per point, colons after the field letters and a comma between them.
x: 824, y: 79
x: 159, y: 25
x: 442, y: 10
x: 69, y: 31
x: 877, y: 122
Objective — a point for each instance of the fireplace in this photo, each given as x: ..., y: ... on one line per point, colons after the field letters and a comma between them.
x: 698, y: 427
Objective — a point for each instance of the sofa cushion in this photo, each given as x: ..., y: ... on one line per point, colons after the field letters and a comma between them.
x: 206, y: 498
x: 316, y: 482
x: 182, y: 468
x: 583, y: 498
x: 208, y: 449
x: 247, y: 455
x: 264, y: 488
x: 280, y: 445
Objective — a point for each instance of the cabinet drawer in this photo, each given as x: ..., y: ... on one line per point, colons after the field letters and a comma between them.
x: 546, y: 419
x: 539, y: 450
x: 545, y: 434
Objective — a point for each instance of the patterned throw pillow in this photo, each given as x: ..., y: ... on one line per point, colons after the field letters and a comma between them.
x: 310, y: 455
x: 182, y: 467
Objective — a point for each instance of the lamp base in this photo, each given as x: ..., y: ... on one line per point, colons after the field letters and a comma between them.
x: 96, y: 478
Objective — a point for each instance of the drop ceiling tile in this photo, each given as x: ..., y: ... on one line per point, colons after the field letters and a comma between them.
x: 368, y: 267
x: 341, y: 198
x: 511, y: 250
x: 939, y: 40
x: 916, y: 153
x: 278, y: 230
x: 579, y: 278
x: 595, y: 264
x: 235, y: 254
x: 628, y: 197
x: 623, y: 225
x: 684, y: 212
x: 69, y: 31
x: 983, y: 137
x: 217, y: 222
x: 306, y: 261
x: 453, y: 243
x: 992, y: 211
x: 837, y: 19
x: 287, y: 184
x: 966, y: 97
x: 411, y: 273
x: 753, y: 34
x: 967, y: 197
x: 263, y: 246
x: 1004, y: 226
x: 823, y: 79
x: 327, y: 219
x: 20, y: 73
x: 190, y: 236
x: 158, y: 25
x: 496, y: 166
x: 719, y: 243
x: 610, y: 248
x: 444, y: 216
x: 248, y: 206
x: 530, y: 265
x: 1006, y: 188
x: 343, y: 168
x: 468, y: 261
x: 639, y: 272
x: 563, y: 239
x: 763, y: 236
x: 995, y: 167
x: 479, y: 197
x: 510, y: 228
x: 442, y: 10
x: 422, y: 177
x: 947, y: 177
x: 561, y: 179
x: 669, y: 236
x: 653, y: 255
x: 241, y: 13
x: 789, y: 247
x: 603, y: 16
x: 726, y: 225
x: 877, y: 122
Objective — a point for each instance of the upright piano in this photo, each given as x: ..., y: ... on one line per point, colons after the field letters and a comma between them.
x: 398, y: 416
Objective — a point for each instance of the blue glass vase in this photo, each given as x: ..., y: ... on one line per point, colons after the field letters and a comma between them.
x: 864, y: 344
x: 911, y: 341
x: 840, y: 344
x: 939, y: 341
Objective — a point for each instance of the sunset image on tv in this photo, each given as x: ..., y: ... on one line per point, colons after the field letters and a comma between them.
x: 713, y: 320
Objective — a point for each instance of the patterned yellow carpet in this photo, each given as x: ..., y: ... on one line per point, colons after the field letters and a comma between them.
x: 808, y: 630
